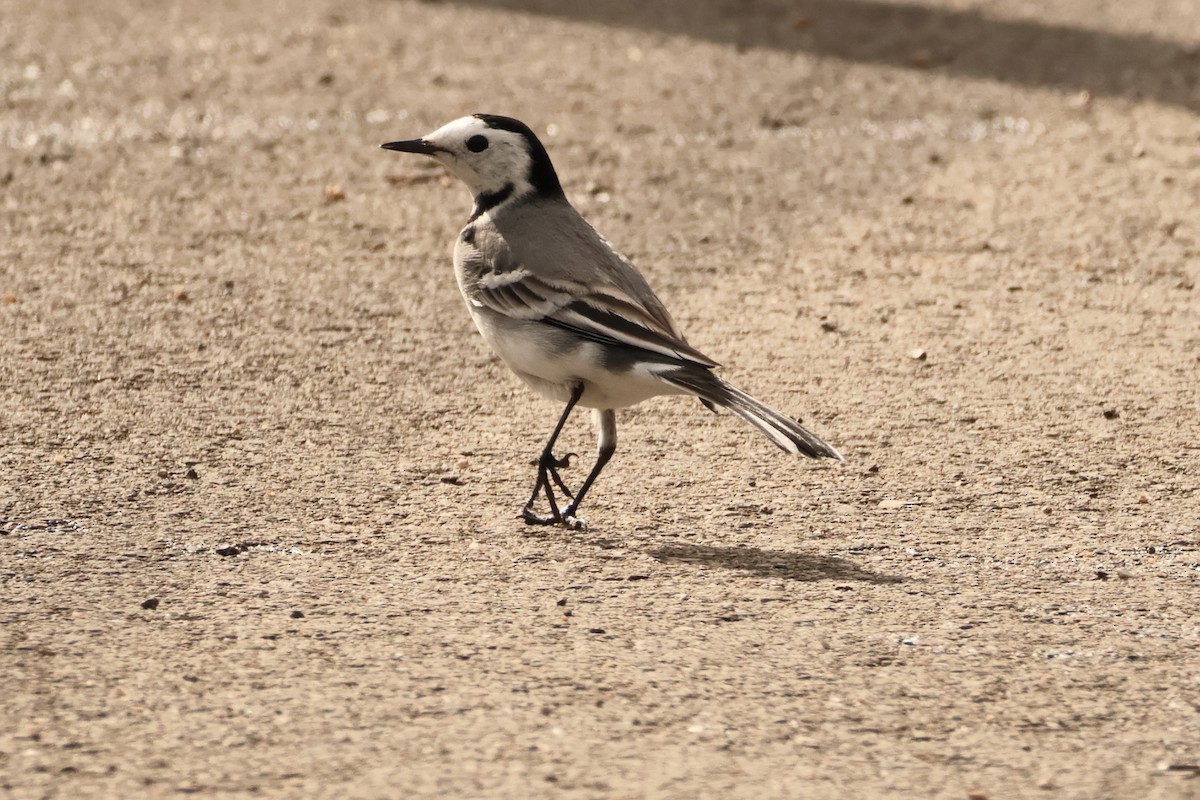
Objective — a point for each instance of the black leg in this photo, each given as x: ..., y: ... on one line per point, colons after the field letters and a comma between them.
x: 548, y: 466
x: 561, y: 463
x: 607, y: 420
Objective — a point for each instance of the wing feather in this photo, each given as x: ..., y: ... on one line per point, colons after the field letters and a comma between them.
x: 613, y: 305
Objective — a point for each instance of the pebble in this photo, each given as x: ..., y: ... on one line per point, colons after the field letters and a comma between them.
x: 1081, y: 101
x: 410, y: 178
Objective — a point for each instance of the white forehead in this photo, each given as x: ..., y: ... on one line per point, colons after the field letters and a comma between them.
x: 452, y: 135
x: 460, y: 129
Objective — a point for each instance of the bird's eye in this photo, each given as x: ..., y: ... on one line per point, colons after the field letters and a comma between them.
x: 477, y: 143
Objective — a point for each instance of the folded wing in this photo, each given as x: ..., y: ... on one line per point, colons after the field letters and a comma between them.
x: 608, y: 315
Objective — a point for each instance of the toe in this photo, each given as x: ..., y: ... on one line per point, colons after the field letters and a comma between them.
x: 533, y: 519
x: 574, y: 523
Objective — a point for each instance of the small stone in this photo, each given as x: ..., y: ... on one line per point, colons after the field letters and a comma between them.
x: 181, y: 295
x: 231, y: 550
x: 1101, y: 575
x: 334, y: 193
x: 918, y: 355
x: 297, y: 614
x: 414, y: 177
x: 9, y: 299
x: 150, y: 603
x: 1124, y: 574
x: 191, y: 473
x: 1081, y: 100
x: 1111, y: 413
x: 596, y: 630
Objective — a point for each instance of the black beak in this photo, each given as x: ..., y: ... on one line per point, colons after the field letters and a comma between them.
x: 413, y: 146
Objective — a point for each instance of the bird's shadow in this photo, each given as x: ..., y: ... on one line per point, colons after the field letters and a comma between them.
x: 771, y: 563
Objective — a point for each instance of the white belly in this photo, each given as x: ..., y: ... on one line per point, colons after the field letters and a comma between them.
x: 553, y: 362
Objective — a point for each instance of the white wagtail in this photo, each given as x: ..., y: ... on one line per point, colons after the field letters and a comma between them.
x: 564, y: 310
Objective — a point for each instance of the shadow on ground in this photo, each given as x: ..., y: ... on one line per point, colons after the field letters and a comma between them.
x: 960, y: 42
x: 770, y: 563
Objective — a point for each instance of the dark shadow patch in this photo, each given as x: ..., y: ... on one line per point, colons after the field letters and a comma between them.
x: 960, y: 42
x: 771, y: 563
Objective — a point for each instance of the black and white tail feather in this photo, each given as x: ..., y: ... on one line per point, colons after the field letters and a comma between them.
x: 786, y: 433
x: 565, y: 311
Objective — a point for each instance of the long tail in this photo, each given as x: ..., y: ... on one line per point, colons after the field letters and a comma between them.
x: 779, y: 429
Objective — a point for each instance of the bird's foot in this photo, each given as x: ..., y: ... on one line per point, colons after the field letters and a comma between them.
x: 559, y: 463
x: 547, y: 480
x: 568, y: 521
x: 534, y: 519
x: 549, y: 461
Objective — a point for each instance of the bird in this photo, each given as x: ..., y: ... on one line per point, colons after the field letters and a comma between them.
x: 566, y: 312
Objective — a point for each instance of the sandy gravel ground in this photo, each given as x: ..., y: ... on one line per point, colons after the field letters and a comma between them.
x: 259, y: 476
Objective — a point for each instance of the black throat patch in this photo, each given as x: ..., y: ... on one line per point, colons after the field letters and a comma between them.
x: 486, y: 201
